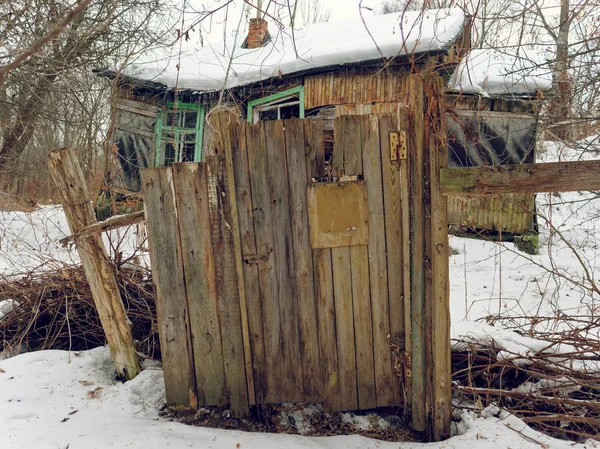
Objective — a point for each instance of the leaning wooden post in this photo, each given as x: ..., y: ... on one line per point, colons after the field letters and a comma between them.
x: 68, y: 178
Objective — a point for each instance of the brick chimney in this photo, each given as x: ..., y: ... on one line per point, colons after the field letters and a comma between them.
x: 257, y: 32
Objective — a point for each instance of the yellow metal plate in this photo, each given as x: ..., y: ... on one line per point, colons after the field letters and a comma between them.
x: 337, y: 214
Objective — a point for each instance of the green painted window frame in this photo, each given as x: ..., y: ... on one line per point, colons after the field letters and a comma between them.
x: 277, y: 96
x: 199, y: 130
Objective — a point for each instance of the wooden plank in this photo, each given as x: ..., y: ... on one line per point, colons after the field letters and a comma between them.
x: 521, y: 178
x: 250, y: 270
x: 351, y: 144
x: 263, y: 231
x: 394, y: 242
x: 277, y: 174
x: 68, y: 178
x: 393, y: 227
x: 313, y: 149
x: 167, y: 268
x: 221, y: 217
x: 380, y: 309
x: 405, y: 204
x: 344, y: 324
x: 337, y: 159
x: 327, y: 329
x: 107, y: 225
x: 190, y: 182
x: 303, y: 262
x: 441, y: 394
x: 237, y: 246
x: 363, y: 327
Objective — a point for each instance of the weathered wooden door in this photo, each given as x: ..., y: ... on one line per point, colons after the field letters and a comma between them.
x: 321, y: 240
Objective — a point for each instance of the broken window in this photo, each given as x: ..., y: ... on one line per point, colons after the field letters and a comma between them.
x: 280, y: 106
x: 179, y: 134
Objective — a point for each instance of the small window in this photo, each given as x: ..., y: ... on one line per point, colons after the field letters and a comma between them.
x: 279, y: 106
x: 179, y: 134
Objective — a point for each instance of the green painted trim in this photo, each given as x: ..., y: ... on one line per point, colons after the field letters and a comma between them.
x: 277, y: 96
x: 199, y: 134
x: 159, y: 129
x: 158, y: 132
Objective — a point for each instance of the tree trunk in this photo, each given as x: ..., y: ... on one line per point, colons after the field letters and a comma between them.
x: 560, y: 110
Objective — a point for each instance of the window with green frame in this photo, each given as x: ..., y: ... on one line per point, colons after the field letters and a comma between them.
x: 281, y: 105
x: 179, y: 134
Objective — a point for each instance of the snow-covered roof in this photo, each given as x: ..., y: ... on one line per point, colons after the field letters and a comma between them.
x: 215, y: 66
x: 496, y: 72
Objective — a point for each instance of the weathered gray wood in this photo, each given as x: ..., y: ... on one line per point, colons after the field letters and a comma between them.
x: 417, y: 225
x: 344, y: 324
x: 350, y: 144
x: 303, y: 262
x: 190, y: 182
x: 221, y: 217
x: 228, y: 122
x: 384, y: 376
x: 107, y: 225
x: 268, y: 288
x: 171, y: 304
x: 523, y: 178
x: 68, y: 178
x: 394, y: 241
x: 248, y: 249
x: 439, y: 340
x: 327, y: 330
x: 363, y: 327
x: 277, y: 175
x: 313, y: 141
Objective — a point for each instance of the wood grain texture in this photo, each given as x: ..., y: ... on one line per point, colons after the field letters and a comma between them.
x: 228, y: 123
x: 344, y: 323
x: 200, y: 281
x: 380, y: 308
x: 221, y: 217
x: 303, y: 262
x: 277, y: 175
x: 171, y: 305
x: 250, y: 270
x: 441, y: 393
x: 417, y: 225
x: 522, y: 178
x: 268, y: 287
x: 107, y: 225
x: 363, y: 327
x: 70, y: 183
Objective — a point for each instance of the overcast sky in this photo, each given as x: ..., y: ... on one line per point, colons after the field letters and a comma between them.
x: 213, y: 29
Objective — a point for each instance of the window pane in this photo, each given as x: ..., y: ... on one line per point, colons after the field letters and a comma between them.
x: 187, y: 147
x: 290, y: 111
x: 190, y: 119
x: 268, y: 115
x: 172, y: 119
x: 168, y: 149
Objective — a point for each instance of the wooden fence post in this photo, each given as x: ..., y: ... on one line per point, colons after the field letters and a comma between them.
x: 430, y: 300
x: 68, y: 178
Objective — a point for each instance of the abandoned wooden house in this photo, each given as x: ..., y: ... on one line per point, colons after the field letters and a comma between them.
x: 301, y: 254
x: 167, y: 104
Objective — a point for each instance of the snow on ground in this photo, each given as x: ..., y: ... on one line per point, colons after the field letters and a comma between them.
x: 29, y: 241
x: 57, y: 400
x: 53, y: 399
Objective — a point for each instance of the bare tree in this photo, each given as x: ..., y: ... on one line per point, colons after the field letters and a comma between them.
x: 47, y: 62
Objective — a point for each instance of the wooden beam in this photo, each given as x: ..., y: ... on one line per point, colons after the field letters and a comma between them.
x: 107, y: 225
x: 68, y: 178
x: 522, y: 178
